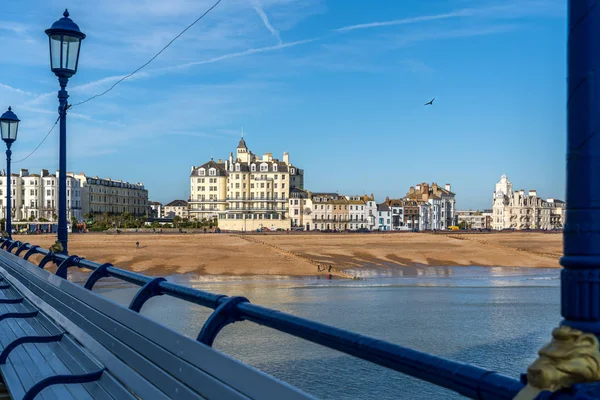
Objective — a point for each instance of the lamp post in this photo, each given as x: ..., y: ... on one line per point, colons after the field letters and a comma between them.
x: 9, y: 125
x: 65, y: 42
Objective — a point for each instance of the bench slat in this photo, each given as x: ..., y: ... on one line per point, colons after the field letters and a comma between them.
x: 171, y: 362
x: 42, y: 356
x: 48, y: 354
x: 88, y: 318
x: 21, y: 361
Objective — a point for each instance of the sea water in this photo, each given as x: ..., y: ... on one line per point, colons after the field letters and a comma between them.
x: 496, y: 318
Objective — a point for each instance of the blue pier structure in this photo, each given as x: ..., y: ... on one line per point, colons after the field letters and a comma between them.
x: 60, y: 340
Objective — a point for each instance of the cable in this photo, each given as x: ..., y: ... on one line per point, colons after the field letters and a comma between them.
x: 152, y: 59
x: 38, y: 146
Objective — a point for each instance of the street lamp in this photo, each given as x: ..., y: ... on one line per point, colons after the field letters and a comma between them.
x: 9, y: 125
x: 65, y: 42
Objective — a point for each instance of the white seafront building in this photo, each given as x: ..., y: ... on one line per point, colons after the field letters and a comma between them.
x: 35, y: 196
x: 520, y: 210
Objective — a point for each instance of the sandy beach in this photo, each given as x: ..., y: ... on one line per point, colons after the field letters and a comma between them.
x: 301, y: 254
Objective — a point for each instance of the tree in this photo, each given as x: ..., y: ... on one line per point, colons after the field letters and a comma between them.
x: 463, y: 225
x: 176, y: 220
x: 54, y: 217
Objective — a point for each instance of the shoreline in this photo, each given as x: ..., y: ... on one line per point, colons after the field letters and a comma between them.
x: 300, y: 255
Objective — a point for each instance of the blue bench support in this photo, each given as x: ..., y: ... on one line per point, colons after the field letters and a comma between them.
x: 48, y: 257
x: 13, y: 245
x: 27, y: 314
x: 31, y: 251
x: 20, y: 248
x: 27, y: 339
x: 225, y: 314
x: 61, y: 379
x: 11, y: 301
x: 70, y: 261
x: 96, y: 275
x: 145, y: 293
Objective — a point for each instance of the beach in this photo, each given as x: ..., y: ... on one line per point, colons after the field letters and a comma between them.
x: 298, y: 254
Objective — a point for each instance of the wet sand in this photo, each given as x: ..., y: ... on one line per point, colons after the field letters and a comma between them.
x: 300, y: 254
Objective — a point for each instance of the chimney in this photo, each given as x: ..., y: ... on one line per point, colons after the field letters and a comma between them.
x: 448, y: 187
x: 419, y: 187
x: 286, y: 158
x: 412, y: 189
x: 522, y: 192
x: 220, y: 161
x: 533, y: 193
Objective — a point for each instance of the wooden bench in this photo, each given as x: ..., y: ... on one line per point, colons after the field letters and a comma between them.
x: 59, y: 340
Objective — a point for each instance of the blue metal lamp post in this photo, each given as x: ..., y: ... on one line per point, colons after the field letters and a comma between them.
x: 65, y: 43
x: 581, y: 276
x: 9, y: 125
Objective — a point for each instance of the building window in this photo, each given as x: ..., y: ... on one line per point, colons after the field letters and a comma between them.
x: 253, y: 168
x: 202, y: 171
x: 237, y: 167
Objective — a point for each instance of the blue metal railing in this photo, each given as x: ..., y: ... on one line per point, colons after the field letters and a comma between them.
x: 470, y: 381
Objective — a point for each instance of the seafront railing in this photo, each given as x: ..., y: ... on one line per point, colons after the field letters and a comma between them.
x: 470, y: 381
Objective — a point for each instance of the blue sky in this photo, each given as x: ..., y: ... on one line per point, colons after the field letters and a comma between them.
x: 340, y: 84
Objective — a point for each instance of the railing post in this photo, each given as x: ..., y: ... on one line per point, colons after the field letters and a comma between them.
x: 580, y: 280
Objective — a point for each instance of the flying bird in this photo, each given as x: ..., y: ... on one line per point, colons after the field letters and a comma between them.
x: 430, y: 103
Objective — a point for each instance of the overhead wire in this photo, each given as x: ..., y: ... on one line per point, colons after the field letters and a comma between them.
x: 149, y: 61
x: 125, y: 77
x: 38, y: 146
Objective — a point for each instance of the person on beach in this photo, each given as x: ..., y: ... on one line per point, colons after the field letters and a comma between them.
x: 137, y: 245
x: 329, y: 270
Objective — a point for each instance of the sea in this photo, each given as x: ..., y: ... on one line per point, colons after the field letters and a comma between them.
x: 496, y: 318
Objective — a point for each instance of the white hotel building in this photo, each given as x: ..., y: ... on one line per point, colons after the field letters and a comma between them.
x: 35, y: 196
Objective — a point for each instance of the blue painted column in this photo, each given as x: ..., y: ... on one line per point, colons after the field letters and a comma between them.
x: 580, y: 280
x: 9, y: 193
x: 63, y: 235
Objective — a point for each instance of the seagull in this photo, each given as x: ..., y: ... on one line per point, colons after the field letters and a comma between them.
x: 430, y: 103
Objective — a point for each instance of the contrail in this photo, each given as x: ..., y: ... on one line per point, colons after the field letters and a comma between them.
x: 265, y: 19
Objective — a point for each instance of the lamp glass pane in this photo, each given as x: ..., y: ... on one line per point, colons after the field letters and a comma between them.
x: 13, y: 126
x: 70, y: 49
x: 55, y: 41
x: 4, y: 129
